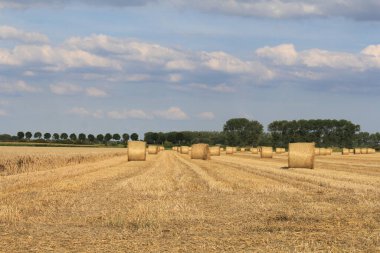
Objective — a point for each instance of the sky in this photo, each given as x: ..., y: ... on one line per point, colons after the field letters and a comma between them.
x: 171, y: 65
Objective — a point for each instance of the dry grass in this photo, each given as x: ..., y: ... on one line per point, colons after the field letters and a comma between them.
x: 15, y: 160
x: 171, y: 203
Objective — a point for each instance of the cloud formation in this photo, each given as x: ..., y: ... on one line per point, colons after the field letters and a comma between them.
x: 173, y: 113
x: 12, y: 33
x: 18, y: 87
x: 71, y: 89
x: 278, y: 9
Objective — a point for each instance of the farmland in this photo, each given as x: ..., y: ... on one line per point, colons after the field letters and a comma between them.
x: 94, y: 200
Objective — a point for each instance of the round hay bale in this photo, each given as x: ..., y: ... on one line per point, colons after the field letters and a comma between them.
x: 328, y: 151
x: 280, y: 150
x: 229, y: 150
x: 152, y: 150
x: 351, y: 150
x: 242, y: 149
x: 215, y: 151
x: 322, y: 151
x: 221, y: 149
x: 200, y: 151
x: 254, y: 150
x: 364, y: 150
x: 161, y: 148
x: 357, y: 151
x: 136, y: 150
x: 266, y: 152
x: 345, y: 151
x: 317, y: 151
x: 301, y: 155
x: 185, y: 150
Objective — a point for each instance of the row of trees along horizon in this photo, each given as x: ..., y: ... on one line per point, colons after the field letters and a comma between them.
x: 236, y: 132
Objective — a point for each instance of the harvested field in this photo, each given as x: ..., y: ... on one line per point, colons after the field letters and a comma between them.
x: 171, y: 203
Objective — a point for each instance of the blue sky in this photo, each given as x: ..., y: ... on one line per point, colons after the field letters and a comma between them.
x: 163, y: 65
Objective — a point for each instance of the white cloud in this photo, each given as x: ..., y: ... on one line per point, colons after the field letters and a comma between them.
x: 95, y: 92
x: 284, y: 54
x: 56, y: 57
x: 72, y: 89
x: 222, y: 88
x: 18, y: 86
x: 65, y: 89
x: 206, y: 115
x: 372, y: 53
x: 129, y: 114
x: 223, y: 62
x: 175, y: 78
x: 173, y: 113
x: 129, y: 50
x: 11, y: 33
x: 337, y: 60
x: 80, y: 111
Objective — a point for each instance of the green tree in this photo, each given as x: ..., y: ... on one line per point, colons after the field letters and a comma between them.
x: 20, y: 135
x: 91, y: 138
x: 116, y: 137
x: 47, y: 136
x: 64, y: 136
x: 37, y: 135
x: 28, y: 135
x: 125, y: 137
x: 242, y: 132
x: 100, y: 138
x: 107, y: 137
x: 81, y: 137
x: 56, y: 136
x: 134, y: 137
x: 73, y: 137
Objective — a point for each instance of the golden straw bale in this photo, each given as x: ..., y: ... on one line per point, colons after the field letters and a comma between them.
x: 364, y: 150
x: 254, y: 150
x: 280, y: 150
x: 215, y: 151
x: 185, y: 150
x: 161, y: 148
x: 266, y: 152
x: 136, y: 150
x: 242, y: 149
x: 345, y: 151
x: 322, y: 151
x: 153, y: 149
x: 357, y: 151
x: 351, y: 150
x: 301, y: 155
x: 234, y: 149
x: 229, y: 150
x: 317, y: 151
x: 328, y: 151
x: 221, y: 149
x: 200, y: 151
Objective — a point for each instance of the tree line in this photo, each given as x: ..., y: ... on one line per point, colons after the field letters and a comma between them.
x: 243, y: 132
x: 236, y: 132
x: 73, y: 138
